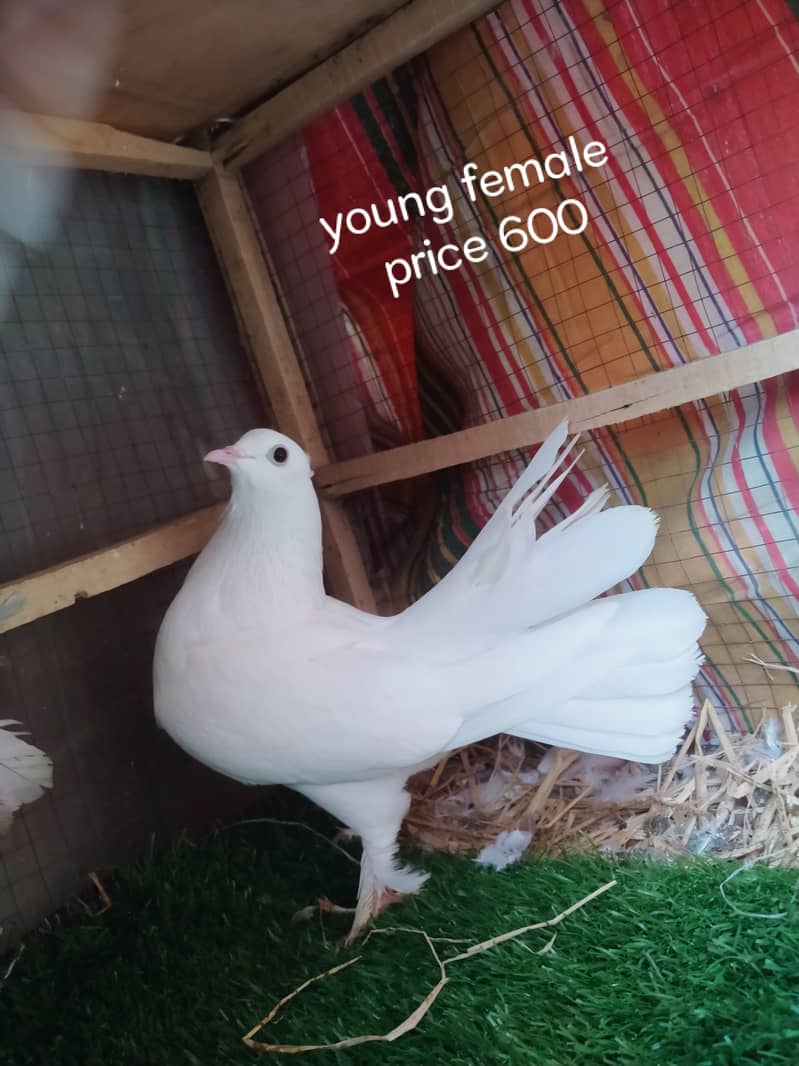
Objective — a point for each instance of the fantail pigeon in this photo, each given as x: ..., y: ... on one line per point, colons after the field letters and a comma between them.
x: 262, y: 676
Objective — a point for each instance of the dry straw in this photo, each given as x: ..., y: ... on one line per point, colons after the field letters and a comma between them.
x: 416, y: 1015
x: 730, y: 796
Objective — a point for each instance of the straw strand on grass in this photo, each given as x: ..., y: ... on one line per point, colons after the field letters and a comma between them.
x: 418, y: 1013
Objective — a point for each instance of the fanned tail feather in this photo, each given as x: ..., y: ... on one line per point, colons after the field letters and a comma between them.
x: 637, y: 710
x: 510, y: 580
x: 651, y: 729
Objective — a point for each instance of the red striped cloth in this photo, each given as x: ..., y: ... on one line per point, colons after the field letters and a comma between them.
x: 690, y: 251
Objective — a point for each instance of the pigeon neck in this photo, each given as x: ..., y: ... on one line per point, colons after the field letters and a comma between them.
x: 267, y: 557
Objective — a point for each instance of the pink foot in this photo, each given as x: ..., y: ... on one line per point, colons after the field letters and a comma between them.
x: 386, y: 900
x: 327, y: 906
x: 389, y: 897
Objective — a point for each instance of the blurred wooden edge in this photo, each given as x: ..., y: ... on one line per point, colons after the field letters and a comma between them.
x: 61, y: 586
x: 656, y: 392
x: 63, y: 142
x: 409, y: 32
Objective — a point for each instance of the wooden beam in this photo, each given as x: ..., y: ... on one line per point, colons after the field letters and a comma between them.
x: 49, y: 141
x: 61, y: 586
x: 229, y: 219
x: 622, y: 403
x: 411, y: 30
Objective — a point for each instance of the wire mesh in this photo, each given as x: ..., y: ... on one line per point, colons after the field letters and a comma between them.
x: 686, y: 252
x: 81, y: 682
x: 120, y: 366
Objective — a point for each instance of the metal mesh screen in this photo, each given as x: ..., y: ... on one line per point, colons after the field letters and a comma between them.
x: 120, y: 366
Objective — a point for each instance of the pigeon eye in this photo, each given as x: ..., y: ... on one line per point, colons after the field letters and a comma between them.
x: 279, y: 455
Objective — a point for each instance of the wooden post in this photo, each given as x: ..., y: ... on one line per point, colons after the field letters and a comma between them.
x: 229, y: 219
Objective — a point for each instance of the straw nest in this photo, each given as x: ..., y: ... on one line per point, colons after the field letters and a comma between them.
x: 729, y: 796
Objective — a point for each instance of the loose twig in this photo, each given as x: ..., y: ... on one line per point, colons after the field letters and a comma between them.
x: 733, y: 906
x: 298, y: 825
x: 477, y: 949
x: 424, y: 1006
x: 771, y: 666
x: 105, y: 899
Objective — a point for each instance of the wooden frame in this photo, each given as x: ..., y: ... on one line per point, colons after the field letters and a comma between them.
x: 415, y: 26
x: 49, y: 141
x: 59, y: 587
x: 230, y: 223
x: 608, y: 407
x: 62, y: 586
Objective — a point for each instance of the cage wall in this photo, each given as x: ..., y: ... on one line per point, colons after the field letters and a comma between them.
x: 120, y: 366
x: 688, y: 252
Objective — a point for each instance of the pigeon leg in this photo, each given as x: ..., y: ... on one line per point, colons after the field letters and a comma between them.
x: 374, y: 810
x: 368, y: 908
x: 329, y: 907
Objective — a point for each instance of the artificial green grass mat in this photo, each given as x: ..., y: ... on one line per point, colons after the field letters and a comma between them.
x: 199, y: 944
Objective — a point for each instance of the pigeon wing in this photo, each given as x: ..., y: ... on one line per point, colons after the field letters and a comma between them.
x: 335, y: 706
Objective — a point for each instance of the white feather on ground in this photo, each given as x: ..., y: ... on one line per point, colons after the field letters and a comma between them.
x: 25, y: 772
x: 506, y: 850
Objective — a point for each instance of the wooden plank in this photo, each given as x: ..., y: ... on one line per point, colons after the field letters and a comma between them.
x: 49, y: 141
x: 60, y: 586
x: 229, y: 219
x: 622, y: 403
x: 411, y: 30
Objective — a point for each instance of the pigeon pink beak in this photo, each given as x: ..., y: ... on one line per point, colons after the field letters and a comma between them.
x: 224, y: 456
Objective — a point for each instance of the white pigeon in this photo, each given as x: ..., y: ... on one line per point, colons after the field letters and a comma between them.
x: 262, y: 676
x: 25, y: 772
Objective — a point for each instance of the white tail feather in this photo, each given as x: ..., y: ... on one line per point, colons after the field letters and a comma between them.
x: 592, y: 504
x: 529, y: 508
x: 510, y: 580
x: 664, y: 717
x: 637, y: 706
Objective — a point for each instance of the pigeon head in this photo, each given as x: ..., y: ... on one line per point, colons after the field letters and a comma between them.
x: 265, y: 460
x: 268, y: 546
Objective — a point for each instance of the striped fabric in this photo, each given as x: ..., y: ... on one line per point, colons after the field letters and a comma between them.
x: 690, y: 251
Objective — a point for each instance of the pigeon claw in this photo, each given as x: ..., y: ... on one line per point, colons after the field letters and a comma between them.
x: 327, y: 906
x: 386, y: 899
x: 389, y: 897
